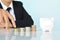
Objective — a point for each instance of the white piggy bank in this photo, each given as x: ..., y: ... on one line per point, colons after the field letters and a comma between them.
x: 46, y: 24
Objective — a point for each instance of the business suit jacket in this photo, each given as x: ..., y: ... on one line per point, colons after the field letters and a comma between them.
x: 23, y: 19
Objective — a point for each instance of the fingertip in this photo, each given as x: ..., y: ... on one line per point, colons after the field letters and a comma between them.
x: 14, y: 26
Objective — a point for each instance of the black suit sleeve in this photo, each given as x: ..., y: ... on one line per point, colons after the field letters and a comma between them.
x: 26, y: 20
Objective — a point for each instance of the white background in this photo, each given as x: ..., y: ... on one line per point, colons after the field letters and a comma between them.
x: 43, y: 8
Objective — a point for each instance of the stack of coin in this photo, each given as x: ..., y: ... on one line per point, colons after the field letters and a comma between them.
x: 21, y: 29
x: 33, y: 28
x: 16, y: 31
x: 27, y: 29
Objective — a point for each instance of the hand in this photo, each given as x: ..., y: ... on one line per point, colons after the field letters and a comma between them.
x: 1, y: 19
x: 5, y: 19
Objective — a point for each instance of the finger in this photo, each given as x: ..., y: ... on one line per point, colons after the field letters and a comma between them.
x: 5, y: 19
x: 12, y: 19
x: 1, y: 17
x: 2, y: 25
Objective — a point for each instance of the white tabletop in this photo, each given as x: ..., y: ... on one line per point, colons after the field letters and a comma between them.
x: 38, y: 35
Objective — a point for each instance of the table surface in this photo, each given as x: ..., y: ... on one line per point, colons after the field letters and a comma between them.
x: 38, y: 35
